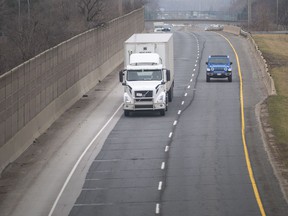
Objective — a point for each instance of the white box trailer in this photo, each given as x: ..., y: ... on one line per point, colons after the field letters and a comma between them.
x: 145, y: 56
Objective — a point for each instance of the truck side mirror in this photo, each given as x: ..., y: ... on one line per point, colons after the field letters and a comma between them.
x: 121, y: 76
x: 168, y: 76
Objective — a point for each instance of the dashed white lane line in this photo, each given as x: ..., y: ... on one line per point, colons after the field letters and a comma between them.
x: 189, y: 87
x: 191, y: 80
x: 170, y: 135
x: 195, y: 65
x: 163, y: 166
x: 157, y: 211
x: 193, y: 75
x: 179, y: 112
x: 160, y: 185
x: 185, y: 95
x: 182, y: 102
x: 194, y: 69
x: 166, y: 148
x: 175, y: 122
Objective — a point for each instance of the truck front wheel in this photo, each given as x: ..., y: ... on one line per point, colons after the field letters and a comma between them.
x: 126, y: 112
x: 162, y: 112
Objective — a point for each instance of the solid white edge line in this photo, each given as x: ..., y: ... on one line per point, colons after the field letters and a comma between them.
x: 79, y: 160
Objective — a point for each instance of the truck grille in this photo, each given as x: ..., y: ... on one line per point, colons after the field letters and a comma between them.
x: 143, y: 94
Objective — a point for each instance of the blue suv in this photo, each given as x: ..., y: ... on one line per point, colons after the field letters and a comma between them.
x: 219, y: 66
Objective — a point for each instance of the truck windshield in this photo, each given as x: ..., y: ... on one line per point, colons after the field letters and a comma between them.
x: 144, y: 75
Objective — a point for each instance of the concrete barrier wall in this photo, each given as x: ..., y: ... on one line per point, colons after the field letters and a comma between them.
x: 232, y: 29
x: 35, y: 94
x: 265, y: 75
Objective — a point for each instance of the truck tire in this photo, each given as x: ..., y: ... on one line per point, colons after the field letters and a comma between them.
x: 162, y: 112
x: 126, y: 112
x: 170, y: 94
x: 207, y: 78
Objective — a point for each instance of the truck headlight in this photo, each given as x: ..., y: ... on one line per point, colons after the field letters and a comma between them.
x: 161, y: 98
x: 127, y: 98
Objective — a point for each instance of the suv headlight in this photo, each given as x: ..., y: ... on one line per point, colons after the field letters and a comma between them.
x: 229, y: 69
x: 208, y: 69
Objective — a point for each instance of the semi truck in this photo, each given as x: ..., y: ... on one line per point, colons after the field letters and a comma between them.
x: 148, y: 74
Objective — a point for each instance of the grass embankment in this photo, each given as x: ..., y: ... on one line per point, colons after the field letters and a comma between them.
x: 275, y: 51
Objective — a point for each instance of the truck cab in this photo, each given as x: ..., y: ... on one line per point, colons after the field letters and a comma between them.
x: 144, y: 82
x: 219, y: 66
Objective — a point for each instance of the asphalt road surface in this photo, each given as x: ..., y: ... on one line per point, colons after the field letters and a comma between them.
x: 190, y: 162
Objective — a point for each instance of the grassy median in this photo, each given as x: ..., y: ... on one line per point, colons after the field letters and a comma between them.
x: 275, y: 51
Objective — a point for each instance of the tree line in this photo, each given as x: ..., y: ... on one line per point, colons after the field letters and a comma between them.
x: 29, y: 27
x: 265, y: 14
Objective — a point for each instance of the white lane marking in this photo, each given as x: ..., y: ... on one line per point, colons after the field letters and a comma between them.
x: 160, y: 185
x: 175, y: 122
x: 157, y: 211
x: 185, y: 95
x: 194, y: 69
x: 189, y: 87
x: 191, y: 80
x: 163, y: 165
x: 166, y: 148
x: 170, y: 135
x: 182, y: 102
x: 79, y: 160
x: 179, y: 112
x: 195, y: 65
x: 193, y: 75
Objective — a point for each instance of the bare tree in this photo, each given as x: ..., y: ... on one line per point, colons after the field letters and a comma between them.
x: 91, y: 9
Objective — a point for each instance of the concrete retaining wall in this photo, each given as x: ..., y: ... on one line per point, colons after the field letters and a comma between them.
x: 35, y: 94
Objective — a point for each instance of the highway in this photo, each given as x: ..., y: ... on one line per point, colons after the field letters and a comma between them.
x: 190, y: 162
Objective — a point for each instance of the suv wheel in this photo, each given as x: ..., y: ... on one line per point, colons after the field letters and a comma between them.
x: 230, y: 78
x: 207, y: 78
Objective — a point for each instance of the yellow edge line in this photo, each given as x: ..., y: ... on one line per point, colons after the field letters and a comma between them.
x: 248, y: 162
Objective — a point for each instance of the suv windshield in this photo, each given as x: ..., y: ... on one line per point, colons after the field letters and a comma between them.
x: 218, y: 60
x: 144, y: 75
